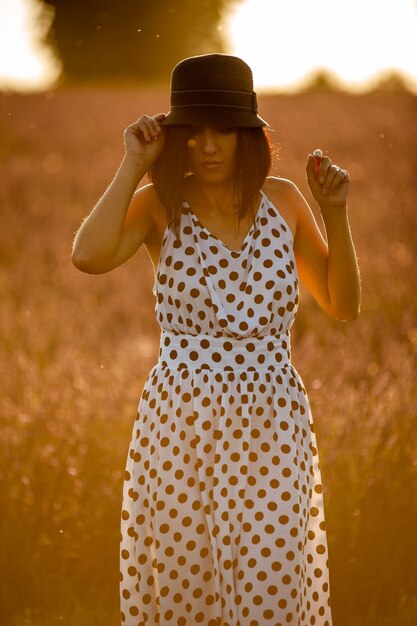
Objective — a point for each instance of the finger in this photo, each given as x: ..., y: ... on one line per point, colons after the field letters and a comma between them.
x: 146, y: 127
x: 154, y: 127
x: 332, y: 174
x: 155, y: 121
x: 142, y: 132
x: 310, y: 171
x: 339, y: 177
x: 346, y: 176
x: 143, y: 129
x: 151, y: 126
x: 325, y: 164
x: 137, y: 128
x: 317, y: 156
x: 159, y: 117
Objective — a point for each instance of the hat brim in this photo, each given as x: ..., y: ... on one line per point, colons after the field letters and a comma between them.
x: 213, y: 116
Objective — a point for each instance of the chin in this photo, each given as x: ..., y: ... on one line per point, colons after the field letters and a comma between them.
x: 213, y: 177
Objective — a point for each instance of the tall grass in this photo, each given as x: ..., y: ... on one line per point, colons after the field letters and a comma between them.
x: 76, y: 349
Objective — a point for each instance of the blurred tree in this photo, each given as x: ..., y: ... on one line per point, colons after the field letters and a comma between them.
x: 139, y: 39
x: 322, y: 80
x: 391, y: 81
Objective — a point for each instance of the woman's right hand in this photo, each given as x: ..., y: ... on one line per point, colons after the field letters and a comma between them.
x: 144, y: 139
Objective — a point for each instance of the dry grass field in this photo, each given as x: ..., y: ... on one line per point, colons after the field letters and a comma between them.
x: 75, y: 350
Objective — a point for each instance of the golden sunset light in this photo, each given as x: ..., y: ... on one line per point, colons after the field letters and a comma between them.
x: 208, y: 323
x: 284, y: 42
x: 357, y: 41
x: 25, y: 63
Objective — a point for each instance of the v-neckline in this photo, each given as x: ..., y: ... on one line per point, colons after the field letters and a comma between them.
x: 220, y: 241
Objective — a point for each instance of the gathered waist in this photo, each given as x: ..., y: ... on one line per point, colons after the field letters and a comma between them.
x: 184, y: 351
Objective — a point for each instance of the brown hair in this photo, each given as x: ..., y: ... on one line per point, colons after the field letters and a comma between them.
x: 169, y: 171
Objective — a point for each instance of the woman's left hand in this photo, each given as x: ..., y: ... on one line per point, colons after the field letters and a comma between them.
x: 330, y: 186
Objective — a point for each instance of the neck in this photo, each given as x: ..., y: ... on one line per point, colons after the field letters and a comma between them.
x: 216, y: 198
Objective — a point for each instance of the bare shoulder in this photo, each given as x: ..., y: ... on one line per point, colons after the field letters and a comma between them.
x: 145, y: 198
x: 284, y: 195
x: 145, y: 208
x: 280, y: 187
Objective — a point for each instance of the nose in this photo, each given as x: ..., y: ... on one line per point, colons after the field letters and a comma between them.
x: 208, y: 141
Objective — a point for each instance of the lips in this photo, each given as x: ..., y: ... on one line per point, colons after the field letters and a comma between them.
x: 211, y: 163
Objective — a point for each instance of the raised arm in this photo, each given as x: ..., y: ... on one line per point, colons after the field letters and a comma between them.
x: 328, y: 269
x: 122, y: 219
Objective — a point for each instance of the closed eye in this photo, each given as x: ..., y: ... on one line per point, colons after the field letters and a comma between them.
x: 194, y: 130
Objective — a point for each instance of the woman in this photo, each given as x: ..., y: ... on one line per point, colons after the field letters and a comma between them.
x: 223, y: 519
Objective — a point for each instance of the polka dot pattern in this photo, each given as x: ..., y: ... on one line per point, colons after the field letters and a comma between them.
x: 223, y: 517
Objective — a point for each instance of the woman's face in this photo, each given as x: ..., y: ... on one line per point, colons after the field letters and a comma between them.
x: 211, y: 153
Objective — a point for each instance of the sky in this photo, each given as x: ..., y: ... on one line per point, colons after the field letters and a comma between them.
x: 284, y: 41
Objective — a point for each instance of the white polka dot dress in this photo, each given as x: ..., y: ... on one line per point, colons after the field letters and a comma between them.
x: 222, y: 517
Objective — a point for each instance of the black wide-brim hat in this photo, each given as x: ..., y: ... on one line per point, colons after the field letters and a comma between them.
x: 213, y: 89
